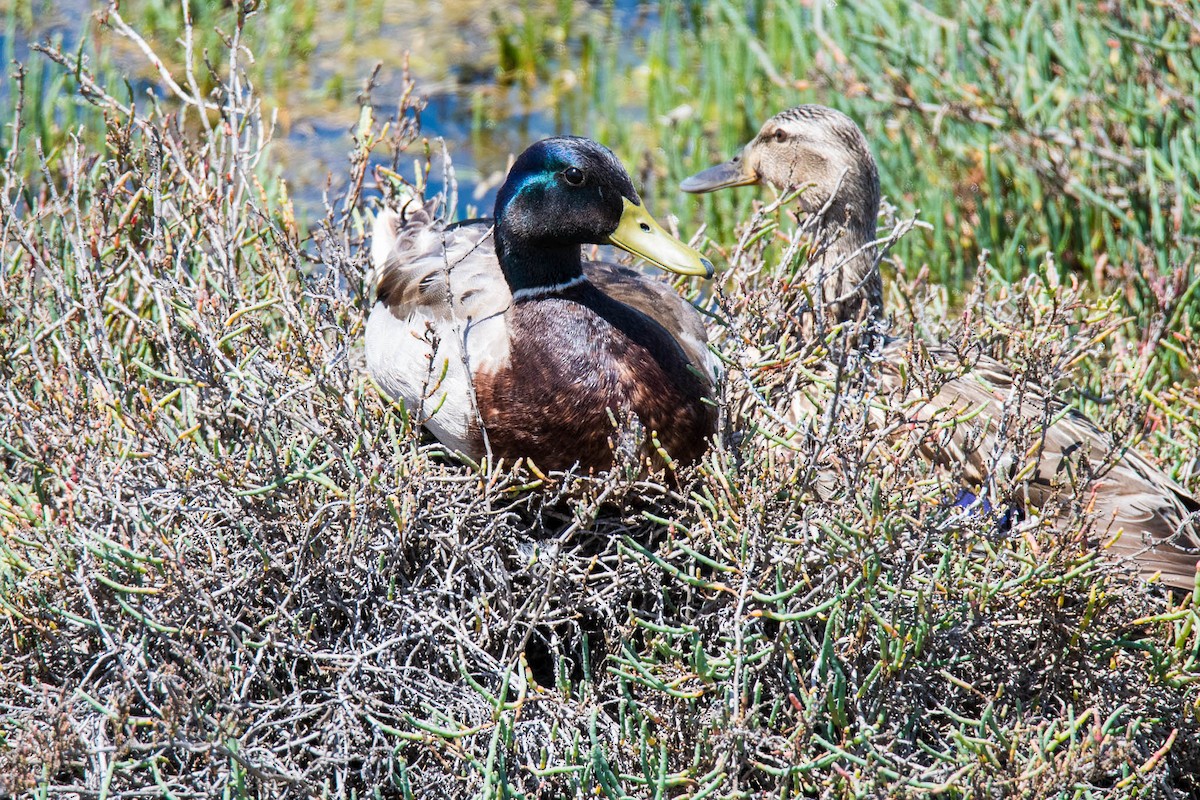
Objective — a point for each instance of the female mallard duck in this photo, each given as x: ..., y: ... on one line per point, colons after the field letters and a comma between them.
x: 1149, y: 517
x: 502, y: 340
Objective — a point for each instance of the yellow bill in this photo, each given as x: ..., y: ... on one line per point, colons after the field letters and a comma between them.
x: 640, y: 234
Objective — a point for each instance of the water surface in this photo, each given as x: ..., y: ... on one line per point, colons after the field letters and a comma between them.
x: 484, y: 107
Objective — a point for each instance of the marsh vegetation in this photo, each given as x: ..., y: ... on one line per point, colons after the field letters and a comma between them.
x: 230, y: 568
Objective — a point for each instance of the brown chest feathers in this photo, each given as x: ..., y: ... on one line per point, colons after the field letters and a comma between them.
x: 575, y: 357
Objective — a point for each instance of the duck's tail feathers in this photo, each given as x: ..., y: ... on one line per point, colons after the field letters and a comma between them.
x: 408, y: 215
x: 397, y: 234
x: 384, y: 236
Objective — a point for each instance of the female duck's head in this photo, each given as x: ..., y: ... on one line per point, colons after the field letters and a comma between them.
x: 806, y: 146
x: 569, y: 191
x: 822, y: 152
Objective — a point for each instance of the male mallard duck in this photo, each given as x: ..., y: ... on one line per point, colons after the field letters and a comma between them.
x: 1152, y: 518
x: 501, y: 339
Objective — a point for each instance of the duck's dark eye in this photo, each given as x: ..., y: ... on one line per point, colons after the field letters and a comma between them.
x: 573, y: 176
x: 780, y: 135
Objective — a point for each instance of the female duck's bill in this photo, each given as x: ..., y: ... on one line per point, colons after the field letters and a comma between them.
x: 734, y: 172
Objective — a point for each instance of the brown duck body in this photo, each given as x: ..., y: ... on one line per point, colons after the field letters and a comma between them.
x: 1136, y: 510
x: 592, y: 354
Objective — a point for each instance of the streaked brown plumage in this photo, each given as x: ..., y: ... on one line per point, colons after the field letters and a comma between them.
x: 527, y: 408
x: 1139, y: 512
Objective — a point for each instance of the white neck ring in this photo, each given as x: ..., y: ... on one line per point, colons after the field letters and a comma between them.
x: 538, y: 292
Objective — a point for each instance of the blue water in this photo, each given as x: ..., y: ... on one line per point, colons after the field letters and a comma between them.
x: 314, y: 138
